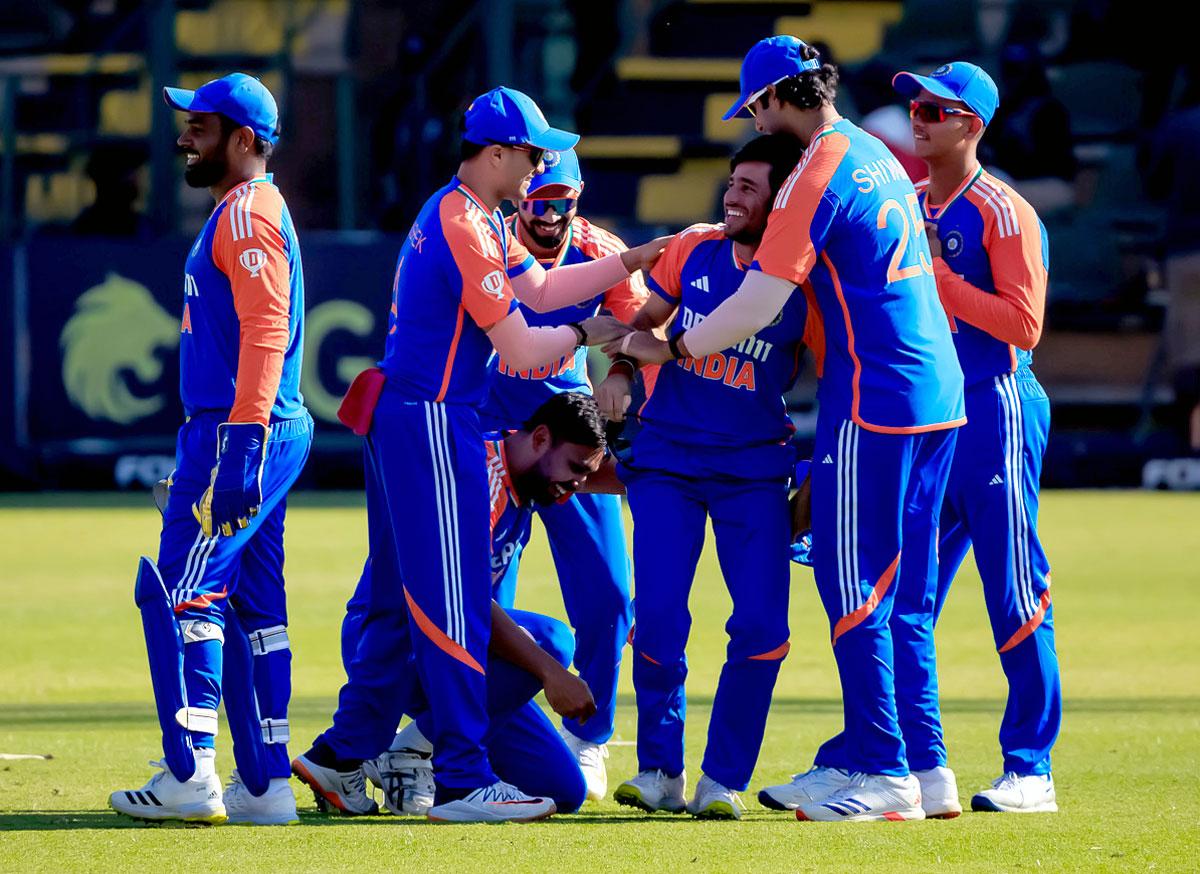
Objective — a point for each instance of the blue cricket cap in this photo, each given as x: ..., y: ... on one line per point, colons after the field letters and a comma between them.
x: 508, y: 117
x: 957, y: 81
x: 561, y: 168
x: 241, y: 98
x: 770, y: 62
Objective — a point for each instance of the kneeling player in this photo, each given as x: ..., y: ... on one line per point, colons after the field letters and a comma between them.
x: 546, y: 461
x: 714, y: 443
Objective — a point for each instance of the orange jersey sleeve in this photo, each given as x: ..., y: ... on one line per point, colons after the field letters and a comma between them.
x: 1013, y: 239
x: 665, y: 275
x: 249, y: 248
x: 625, y: 298
x: 788, y: 249
x: 487, y: 293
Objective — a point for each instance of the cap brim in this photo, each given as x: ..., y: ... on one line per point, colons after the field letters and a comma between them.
x: 910, y: 85
x: 738, y: 110
x: 555, y: 140
x: 562, y: 187
x: 180, y: 98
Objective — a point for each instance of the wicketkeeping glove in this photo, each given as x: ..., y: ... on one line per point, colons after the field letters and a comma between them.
x: 235, y: 493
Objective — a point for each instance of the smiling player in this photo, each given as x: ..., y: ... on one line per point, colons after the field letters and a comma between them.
x: 713, y: 445
x: 219, y: 576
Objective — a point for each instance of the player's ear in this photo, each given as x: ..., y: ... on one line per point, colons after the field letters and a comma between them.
x: 541, y: 439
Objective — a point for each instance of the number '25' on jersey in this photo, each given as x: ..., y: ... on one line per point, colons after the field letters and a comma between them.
x: 847, y: 228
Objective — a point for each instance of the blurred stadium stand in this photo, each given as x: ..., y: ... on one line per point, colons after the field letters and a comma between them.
x: 371, y: 93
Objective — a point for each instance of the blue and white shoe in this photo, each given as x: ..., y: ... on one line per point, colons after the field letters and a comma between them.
x: 868, y: 798
x: 815, y: 784
x: 1016, y: 793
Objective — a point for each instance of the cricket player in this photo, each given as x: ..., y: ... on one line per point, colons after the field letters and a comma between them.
x: 991, y: 258
x: 454, y: 300
x: 714, y: 444
x: 846, y: 229
x: 218, y: 580
x: 545, y: 461
x: 587, y: 534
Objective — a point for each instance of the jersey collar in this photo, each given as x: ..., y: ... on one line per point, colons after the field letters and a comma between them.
x: 494, y: 219
x: 241, y: 187
x: 933, y: 212
x: 502, y: 456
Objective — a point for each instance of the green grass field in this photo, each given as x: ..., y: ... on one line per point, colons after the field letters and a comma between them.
x: 74, y: 685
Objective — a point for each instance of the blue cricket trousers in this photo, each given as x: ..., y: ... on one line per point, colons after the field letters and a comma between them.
x: 751, y: 524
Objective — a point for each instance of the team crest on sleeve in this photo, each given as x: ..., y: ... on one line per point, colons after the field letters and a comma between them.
x: 253, y: 260
x: 493, y: 284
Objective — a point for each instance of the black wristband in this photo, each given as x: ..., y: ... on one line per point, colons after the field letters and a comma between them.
x: 583, y: 337
x: 673, y: 345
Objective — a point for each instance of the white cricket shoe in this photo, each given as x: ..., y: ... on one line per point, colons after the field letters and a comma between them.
x: 500, y: 802
x: 1014, y: 793
x: 867, y: 798
x: 714, y: 801
x: 813, y: 785
x: 344, y: 791
x: 939, y: 793
x: 406, y: 778
x: 163, y: 798
x: 591, y: 758
x: 276, y: 806
x: 652, y: 791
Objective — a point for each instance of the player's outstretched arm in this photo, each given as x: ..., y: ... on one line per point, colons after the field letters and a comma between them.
x: 566, y: 693
x: 546, y: 290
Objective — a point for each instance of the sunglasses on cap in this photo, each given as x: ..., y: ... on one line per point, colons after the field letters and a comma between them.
x: 561, y: 205
x: 933, y: 113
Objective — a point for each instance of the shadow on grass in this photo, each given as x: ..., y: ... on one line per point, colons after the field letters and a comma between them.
x: 107, y: 820
x: 17, y: 716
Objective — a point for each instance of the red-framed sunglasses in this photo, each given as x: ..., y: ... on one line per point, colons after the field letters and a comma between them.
x: 933, y: 113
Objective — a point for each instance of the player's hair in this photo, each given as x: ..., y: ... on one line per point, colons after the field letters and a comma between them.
x: 467, y: 149
x: 262, y: 148
x: 811, y: 89
x: 571, y: 417
x: 781, y: 151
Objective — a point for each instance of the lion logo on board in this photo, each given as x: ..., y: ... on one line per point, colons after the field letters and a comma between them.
x: 109, y: 350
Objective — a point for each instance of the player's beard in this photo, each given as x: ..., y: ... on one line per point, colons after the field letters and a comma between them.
x: 207, y: 171
x: 748, y: 236
x: 544, y: 241
x: 532, y: 487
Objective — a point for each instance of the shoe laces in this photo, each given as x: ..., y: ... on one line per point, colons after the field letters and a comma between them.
x: 163, y: 770
x: 1007, y: 780
x: 592, y: 755
x: 355, y: 781
x: 501, y: 791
